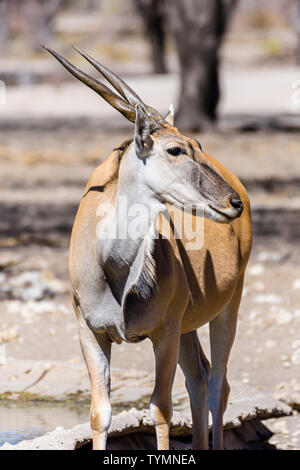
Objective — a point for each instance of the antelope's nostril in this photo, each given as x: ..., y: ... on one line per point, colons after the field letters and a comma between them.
x: 237, y: 204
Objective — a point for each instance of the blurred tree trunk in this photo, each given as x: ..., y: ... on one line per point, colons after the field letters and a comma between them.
x: 93, y: 4
x: 30, y: 20
x: 151, y: 12
x: 39, y: 15
x: 3, y: 27
x: 12, y: 23
x: 198, y: 27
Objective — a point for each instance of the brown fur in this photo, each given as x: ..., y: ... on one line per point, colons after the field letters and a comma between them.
x: 194, y: 287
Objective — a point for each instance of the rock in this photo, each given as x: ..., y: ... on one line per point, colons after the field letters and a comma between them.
x: 56, y: 440
x: 274, y: 256
x: 9, y: 335
x: 258, y: 286
x: 295, y: 358
x: 256, y: 270
x: 286, y: 432
x: 246, y: 403
x: 283, y: 317
x: 61, y: 381
x: 54, y: 381
x: 2, y: 354
x: 295, y: 344
x: 8, y: 258
x: 267, y: 299
x: 296, y: 284
x: 32, y: 285
x: 134, y: 430
x: 270, y: 343
x: 289, y: 392
x: 35, y: 285
x: 280, y: 426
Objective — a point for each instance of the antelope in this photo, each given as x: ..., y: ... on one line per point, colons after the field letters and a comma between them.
x: 151, y: 285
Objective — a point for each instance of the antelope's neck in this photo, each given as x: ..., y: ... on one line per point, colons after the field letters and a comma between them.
x: 128, y: 233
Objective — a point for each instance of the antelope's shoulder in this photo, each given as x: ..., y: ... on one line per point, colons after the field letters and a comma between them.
x: 104, y: 173
x: 95, y: 192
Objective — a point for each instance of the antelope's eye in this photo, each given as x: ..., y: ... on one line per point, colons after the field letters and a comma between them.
x: 175, y: 151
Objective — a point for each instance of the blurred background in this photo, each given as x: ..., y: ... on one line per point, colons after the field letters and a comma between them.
x: 232, y: 70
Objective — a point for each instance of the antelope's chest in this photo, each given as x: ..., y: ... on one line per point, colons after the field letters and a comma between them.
x: 131, y: 321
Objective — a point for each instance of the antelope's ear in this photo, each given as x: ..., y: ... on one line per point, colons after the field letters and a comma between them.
x: 142, y: 140
x: 170, y: 116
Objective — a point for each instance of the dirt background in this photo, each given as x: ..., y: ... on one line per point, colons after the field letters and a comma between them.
x: 46, y: 160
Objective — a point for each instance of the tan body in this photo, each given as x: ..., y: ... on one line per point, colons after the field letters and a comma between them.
x: 195, y: 288
x: 127, y: 288
x: 210, y: 274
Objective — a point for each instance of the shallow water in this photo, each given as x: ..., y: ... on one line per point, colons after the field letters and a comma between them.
x: 18, y: 423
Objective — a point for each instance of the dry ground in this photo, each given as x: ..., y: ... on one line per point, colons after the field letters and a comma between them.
x: 42, y: 178
x: 43, y: 174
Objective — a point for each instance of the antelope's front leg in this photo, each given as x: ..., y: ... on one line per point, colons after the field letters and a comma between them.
x: 222, y: 332
x: 96, y: 352
x: 166, y: 348
x: 196, y: 369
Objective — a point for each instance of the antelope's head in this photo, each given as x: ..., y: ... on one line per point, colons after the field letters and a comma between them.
x: 170, y: 164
